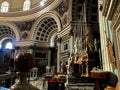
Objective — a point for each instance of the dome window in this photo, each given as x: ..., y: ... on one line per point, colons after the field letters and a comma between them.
x: 9, y: 45
x: 26, y: 5
x: 4, y: 7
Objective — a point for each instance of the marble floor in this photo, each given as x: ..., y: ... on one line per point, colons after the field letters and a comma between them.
x: 39, y: 83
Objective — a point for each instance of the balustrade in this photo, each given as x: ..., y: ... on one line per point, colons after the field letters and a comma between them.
x: 33, y: 73
x: 7, y: 78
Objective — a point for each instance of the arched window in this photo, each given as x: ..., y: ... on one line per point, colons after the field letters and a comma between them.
x: 42, y: 2
x: 26, y: 5
x: 4, y: 7
x: 9, y: 45
x: 6, y: 44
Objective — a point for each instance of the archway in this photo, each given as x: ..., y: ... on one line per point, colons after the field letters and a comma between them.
x: 44, y: 34
x: 8, y: 35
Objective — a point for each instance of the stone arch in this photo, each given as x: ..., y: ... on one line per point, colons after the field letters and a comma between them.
x: 13, y: 28
x: 46, y: 16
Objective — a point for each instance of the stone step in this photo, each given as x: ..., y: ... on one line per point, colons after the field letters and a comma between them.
x: 80, y: 86
x: 81, y: 80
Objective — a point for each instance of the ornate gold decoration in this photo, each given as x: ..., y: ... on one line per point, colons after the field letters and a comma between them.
x: 85, y: 72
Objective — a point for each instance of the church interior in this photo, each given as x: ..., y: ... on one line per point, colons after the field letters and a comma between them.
x: 74, y: 42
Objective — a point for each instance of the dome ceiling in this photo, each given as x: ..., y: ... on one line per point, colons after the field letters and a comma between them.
x: 33, y: 13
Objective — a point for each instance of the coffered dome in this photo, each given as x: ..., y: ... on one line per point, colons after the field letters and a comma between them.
x: 25, y: 9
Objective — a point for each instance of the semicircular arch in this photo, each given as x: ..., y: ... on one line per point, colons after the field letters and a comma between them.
x: 54, y: 15
x: 14, y: 28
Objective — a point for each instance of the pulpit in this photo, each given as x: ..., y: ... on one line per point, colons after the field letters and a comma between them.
x: 103, y: 79
x: 99, y: 76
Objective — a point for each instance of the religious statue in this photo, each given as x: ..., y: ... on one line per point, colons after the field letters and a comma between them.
x: 76, y: 46
x: 88, y: 40
x: 62, y: 67
x: 70, y: 65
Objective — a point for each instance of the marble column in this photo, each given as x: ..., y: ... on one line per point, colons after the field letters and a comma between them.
x: 49, y: 57
x: 103, y: 37
x: 58, y: 55
x: 116, y: 45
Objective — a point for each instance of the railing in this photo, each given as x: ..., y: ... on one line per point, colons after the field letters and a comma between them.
x: 33, y: 73
x: 7, y: 78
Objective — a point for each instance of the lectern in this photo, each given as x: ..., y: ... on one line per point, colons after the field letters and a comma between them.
x: 103, y: 79
x: 99, y: 76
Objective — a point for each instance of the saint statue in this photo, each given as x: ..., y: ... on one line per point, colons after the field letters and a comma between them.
x: 70, y: 65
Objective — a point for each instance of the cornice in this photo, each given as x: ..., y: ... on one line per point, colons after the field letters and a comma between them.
x: 32, y: 43
x: 31, y: 14
x: 24, y: 43
x: 64, y: 32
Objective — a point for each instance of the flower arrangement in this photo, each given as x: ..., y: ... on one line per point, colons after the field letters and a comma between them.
x: 24, y: 62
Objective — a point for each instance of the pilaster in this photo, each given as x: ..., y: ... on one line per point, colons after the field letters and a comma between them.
x: 58, y: 54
